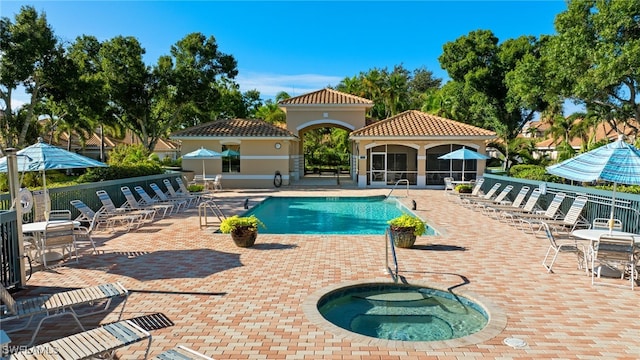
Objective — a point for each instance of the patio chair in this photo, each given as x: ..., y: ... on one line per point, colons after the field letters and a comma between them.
x: 468, y: 201
x: 182, y: 190
x: 181, y: 353
x: 133, y: 204
x: 560, y: 245
x: 147, y: 200
x: 217, y: 183
x: 56, y: 305
x: 552, y: 212
x: 603, y: 224
x: 58, y: 236
x: 475, y: 192
x: 100, y: 342
x: 100, y: 218
x: 134, y: 218
x: 448, y: 184
x: 53, y: 215
x: 173, y: 194
x: 178, y: 203
x: 570, y: 221
x: 529, y: 208
x: 494, y: 210
x: 481, y: 203
x: 614, y: 252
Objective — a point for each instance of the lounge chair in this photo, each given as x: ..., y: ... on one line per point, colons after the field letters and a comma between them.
x: 560, y: 245
x: 482, y: 202
x: 147, y: 200
x: 475, y: 192
x: 552, y: 212
x: 100, y: 342
x: 181, y: 353
x: 179, y: 203
x: 509, y: 214
x: 135, y: 217
x: 494, y: 210
x: 183, y: 191
x: 58, y: 304
x: 100, y: 218
x: 173, y: 194
x: 133, y: 204
x: 468, y: 201
x: 570, y: 221
x: 615, y: 252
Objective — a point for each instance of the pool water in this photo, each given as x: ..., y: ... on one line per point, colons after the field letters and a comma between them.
x: 402, y: 312
x: 328, y: 215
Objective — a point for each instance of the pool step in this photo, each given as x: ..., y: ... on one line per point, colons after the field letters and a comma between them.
x: 402, y: 327
x: 400, y: 299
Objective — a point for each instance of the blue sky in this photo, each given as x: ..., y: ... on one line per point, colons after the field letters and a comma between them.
x: 300, y: 46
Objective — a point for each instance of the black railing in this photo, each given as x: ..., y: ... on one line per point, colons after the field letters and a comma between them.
x: 9, y: 251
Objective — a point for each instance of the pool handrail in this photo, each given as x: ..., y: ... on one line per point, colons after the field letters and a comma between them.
x: 389, y: 240
x: 396, y: 185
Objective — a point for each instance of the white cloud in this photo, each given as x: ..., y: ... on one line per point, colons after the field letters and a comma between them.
x: 271, y: 84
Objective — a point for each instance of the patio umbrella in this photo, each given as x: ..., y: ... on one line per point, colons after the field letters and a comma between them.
x: 42, y: 157
x: 463, y: 154
x: 229, y: 153
x: 617, y: 162
x: 204, y: 154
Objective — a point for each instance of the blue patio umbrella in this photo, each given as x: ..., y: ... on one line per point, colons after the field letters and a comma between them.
x: 229, y: 153
x: 617, y: 162
x: 463, y: 154
x: 203, y: 154
x: 42, y: 157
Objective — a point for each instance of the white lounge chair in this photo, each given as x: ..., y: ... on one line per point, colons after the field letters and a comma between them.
x: 148, y: 201
x: 181, y: 353
x: 55, y: 305
x: 179, y: 203
x: 100, y: 343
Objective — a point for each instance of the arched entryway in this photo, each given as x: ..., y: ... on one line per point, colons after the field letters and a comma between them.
x: 325, y: 148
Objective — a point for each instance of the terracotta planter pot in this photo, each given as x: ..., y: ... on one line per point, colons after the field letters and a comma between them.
x: 244, y: 237
x: 403, y: 237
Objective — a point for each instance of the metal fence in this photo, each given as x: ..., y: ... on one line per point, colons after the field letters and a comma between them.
x: 60, y: 199
x: 627, y: 207
x: 9, y: 252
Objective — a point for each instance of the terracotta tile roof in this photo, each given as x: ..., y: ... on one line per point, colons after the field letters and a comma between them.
x: 327, y: 97
x: 235, y: 128
x: 602, y: 131
x: 413, y: 123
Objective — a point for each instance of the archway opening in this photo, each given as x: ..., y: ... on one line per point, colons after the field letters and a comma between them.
x: 327, y: 150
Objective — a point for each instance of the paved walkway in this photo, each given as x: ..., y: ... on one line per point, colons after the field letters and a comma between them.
x: 246, y: 303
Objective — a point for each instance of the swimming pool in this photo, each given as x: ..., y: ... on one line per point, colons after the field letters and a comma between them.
x: 328, y: 215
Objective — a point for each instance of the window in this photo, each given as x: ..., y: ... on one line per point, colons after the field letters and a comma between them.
x: 230, y: 158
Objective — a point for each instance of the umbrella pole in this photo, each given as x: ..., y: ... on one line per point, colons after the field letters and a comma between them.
x: 463, y: 161
x: 203, y: 174
x: 613, y: 206
x: 46, y: 193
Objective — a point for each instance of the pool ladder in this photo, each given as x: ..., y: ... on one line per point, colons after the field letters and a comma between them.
x: 406, y: 181
x: 389, y: 243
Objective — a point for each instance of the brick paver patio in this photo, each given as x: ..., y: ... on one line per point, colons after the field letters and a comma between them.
x: 246, y: 303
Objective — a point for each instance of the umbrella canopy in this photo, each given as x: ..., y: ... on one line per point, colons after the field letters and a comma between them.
x: 203, y: 154
x: 617, y: 162
x: 229, y: 152
x: 463, y: 154
x: 42, y: 157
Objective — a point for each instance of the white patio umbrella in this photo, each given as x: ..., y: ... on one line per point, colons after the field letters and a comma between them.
x: 42, y: 157
x: 463, y: 154
x: 203, y: 154
x: 617, y: 162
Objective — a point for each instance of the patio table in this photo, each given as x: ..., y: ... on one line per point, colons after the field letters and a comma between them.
x: 594, y: 234
x: 37, y: 229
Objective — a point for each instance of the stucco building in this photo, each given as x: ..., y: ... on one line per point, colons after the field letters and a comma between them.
x: 405, y: 146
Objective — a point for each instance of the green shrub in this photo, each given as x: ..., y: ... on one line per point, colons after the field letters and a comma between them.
x: 232, y: 223
x: 195, y: 188
x: 464, y: 188
x: 533, y: 172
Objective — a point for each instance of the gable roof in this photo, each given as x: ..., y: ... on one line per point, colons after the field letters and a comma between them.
x: 414, y: 123
x: 251, y: 128
x: 326, y: 97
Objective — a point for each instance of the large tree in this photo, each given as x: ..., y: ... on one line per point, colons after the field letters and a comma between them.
x: 479, y: 91
x: 595, y: 57
x: 29, y: 50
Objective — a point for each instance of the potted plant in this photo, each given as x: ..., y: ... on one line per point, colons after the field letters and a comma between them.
x: 405, y: 229
x: 243, y: 229
x: 464, y: 188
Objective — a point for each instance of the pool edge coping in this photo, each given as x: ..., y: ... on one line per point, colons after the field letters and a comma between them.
x: 496, y: 322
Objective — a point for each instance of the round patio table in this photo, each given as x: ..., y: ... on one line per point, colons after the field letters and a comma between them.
x: 37, y: 229
x: 594, y: 234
